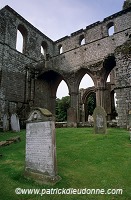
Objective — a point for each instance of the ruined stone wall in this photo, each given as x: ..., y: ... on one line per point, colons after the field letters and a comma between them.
x: 98, y: 44
x: 123, y: 82
x: 13, y: 63
x: 21, y: 78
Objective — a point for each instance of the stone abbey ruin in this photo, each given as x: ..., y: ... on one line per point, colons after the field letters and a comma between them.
x: 31, y: 78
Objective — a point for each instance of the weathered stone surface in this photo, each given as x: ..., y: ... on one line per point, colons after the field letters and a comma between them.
x: 5, y: 122
x: 31, y: 79
x: 10, y: 141
x: 15, y: 125
x: 100, y: 124
x: 14, y: 139
x: 71, y: 117
x: 40, y: 114
x: 41, y: 147
x: 130, y: 119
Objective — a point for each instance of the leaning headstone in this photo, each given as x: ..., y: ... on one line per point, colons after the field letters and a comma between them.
x: 15, y: 125
x: 5, y: 122
x: 41, y: 147
x: 100, y: 124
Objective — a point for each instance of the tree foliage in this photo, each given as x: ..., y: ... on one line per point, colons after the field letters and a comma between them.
x: 62, y: 106
x: 91, y: 103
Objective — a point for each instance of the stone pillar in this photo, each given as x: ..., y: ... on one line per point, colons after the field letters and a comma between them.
x: 100, y: 89
x: 74, y: 99
x: 41, y: 147
x: 100, y: 96
x: 72, y: 113
x: 71, y: 117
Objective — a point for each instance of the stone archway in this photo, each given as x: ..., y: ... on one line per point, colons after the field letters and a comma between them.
x: 86, y: 107
x: 46, y: 87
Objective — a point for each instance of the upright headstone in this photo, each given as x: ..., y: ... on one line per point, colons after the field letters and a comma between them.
x: 100, y: 124
x: 15, y: 125
x: 41, y: 147
x: 5, y: 122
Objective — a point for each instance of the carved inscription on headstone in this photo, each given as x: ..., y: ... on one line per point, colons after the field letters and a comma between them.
x: 99, y: 116
x: 39, y: 147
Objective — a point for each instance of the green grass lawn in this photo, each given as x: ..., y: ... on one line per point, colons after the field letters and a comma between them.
x: 84, y: 160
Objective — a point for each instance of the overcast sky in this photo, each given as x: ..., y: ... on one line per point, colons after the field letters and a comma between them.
x: 58, y: 18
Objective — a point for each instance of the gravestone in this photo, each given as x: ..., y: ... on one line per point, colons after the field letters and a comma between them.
x: 15, y: 125
x: 41, y: 147
x: 100, y: 124
x: 5, y: 122
x: 71, y: 117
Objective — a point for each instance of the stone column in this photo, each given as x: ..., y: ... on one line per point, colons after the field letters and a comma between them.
x: 100, y: 94
x: 72, y: 113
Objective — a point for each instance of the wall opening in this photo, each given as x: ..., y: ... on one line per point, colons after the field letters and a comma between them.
x: 86, y: 82
x: 44, y: 48
x: 87, y: 98
x: 108, y: 78
x: 110, y: 28
x: 62, y: 102
x: 60, y: 48
x: 113, y: 105
x: 21, y: 39
x: 19, y: 42
x: 82, y: 40
x: 90, y: 105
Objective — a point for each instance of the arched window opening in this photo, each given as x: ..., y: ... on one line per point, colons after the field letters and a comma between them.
x: 87, y: 98
x: 62, y: 90
x: 86, y: 82
x: 21, y: 39
x: 82, y: 40
x: 62, y: 102
x: 108, y: 78
x: 110, y: 28
x: 19, y: 42
x: 60, y: 49
x: 44, y: 48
